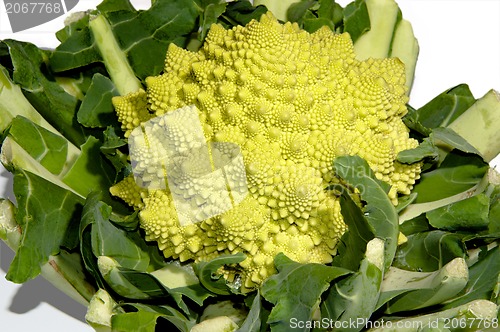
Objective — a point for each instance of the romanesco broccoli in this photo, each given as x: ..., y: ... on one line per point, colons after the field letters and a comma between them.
x: 292, y: 101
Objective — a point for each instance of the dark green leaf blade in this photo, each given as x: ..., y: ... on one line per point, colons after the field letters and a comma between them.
x: 379, y: 210
x: 470, y: 214
x: 441, y: 110
x: 49, y: 149
x: 457, y: 173
x: 429, y: 251
x: 296, y: 289
x: 48, y: 97
x: 356, y: 19
x: 45, y: 212
x: 96, y: 110
x: 127, y: 248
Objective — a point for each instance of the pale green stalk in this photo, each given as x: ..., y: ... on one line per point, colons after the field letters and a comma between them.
x: 479, y: 125
x: 14, y: 103
x: 388, y: 37
x: 423, y: 289
x: 114, y: 58
x: 475, y: 314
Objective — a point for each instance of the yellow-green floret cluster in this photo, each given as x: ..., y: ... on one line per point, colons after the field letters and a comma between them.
x: 292, y: 101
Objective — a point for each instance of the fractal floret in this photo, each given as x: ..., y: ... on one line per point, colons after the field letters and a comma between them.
x: 292, y: 101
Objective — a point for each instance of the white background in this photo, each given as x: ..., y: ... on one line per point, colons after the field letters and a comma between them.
x: 459, y: 43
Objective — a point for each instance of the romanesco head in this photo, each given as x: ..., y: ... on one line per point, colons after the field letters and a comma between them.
x: 292, y: 101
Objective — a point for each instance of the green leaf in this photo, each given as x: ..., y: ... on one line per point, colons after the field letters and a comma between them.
x: 96, y: 110
x: 352, y: 246
x: 241, y: 13
x: 144, y: 321
x: 356, y: 19
x: 209, y: 277
x: 90, y: 172
x: 426, y: 149
x: 296, y: 290
x: 457, y: 173
x: 143, y: 35
x: 470, y: 214
x: 46, y: 214
x: 297, y: 11
x: 415, y: 225
x: 115, y: 5
x: 146, y: 317
x: 440, y: 111
x: 452, y: 140
x: 49, y: 149
x: 429, y: 251
x: 409, y: 290
x: 210, y: 15
x: 127, y: 248
x: 49, y: 99
x: 253, y: 321
x: 355, y: 297
x: 379, y: 210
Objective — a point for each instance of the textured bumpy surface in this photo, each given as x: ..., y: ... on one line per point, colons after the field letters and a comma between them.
x: 292, y: 101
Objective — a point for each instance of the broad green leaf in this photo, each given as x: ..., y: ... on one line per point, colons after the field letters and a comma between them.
x: 142, y: 35
x: 296, y: 289
x: 313, y: 24
x: 127, y: 248
x: 46, y: 213
x: 253, y: 321
x: 144, y: 321
x: 494, y: 214
x: 147, y: 317
x: 355, y: 297
x: 76, y: 50
x: 352, y: 246
x: 379, y: 210
x: 457, y: 173
x: 438, y: 144
x: 440, y: 111
x: 483, y: 278
x: 356, y: 19
x: 171, y: 282
x: 96, y: 110
x: 91, y: 172
x: 452, y: 140
x: 72, y: 28
x: 429, y: 251
x: 410, y: 290
x: 115, y: 5
x: 297, y: 11
x: 470, y: 214
x: 47, y: 96
x: 211, y: 12
x: 415, y: 225
x: 330, y: 10
x: 111, y: 150
x: 209, y: 277
x: 426, y: 149
x: 241, y: 13
x: 49, y: 149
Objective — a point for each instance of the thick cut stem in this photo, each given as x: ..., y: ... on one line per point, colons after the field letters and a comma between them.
x: 114, y: 58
